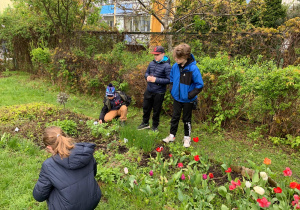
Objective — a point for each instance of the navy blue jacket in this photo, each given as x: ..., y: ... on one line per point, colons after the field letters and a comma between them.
x: 186, y: 82
x: 69, y: 183
x: 160, y: 70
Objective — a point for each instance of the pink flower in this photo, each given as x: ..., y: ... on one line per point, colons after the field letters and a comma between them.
x: 182, y: 177
x: 287, y: 172
x: 196, y: 139
x: 180, y: 165
x: 159, y: 149
x: 170, y: 155
x: 196, y: 158
x: 151, y: 173
x: 277, y: 190
x: 296, y: 201
x: 232, y: 187
x: 263, y: 202
x: 211, y: 175
x: 204, y: 176
x: 228, y: 170
x: 234, y: 184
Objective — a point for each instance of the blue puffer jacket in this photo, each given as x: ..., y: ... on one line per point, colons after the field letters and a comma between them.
x: 69, y: 183
x: 160, y: 70
x: 186, y: 82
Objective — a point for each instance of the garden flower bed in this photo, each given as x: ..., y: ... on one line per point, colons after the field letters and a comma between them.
x: 167, y: 176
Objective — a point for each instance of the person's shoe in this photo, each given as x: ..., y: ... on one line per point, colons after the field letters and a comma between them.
x: 154, y: 129
x: 169, y: 138
x: 143, y: 126
x: 187, y: 141
x: 122, y: 123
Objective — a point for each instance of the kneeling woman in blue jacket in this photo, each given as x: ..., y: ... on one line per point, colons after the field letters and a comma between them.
x: 66, y: 179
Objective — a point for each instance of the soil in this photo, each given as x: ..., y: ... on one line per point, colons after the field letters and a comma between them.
x: 34, y: 128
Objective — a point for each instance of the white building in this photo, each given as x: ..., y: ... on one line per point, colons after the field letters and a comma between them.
x: 127, y: 16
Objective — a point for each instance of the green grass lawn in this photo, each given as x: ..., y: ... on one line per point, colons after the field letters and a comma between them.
x: 19, y: 169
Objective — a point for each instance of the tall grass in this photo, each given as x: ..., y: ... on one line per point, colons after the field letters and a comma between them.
x: 143, y: 139
x: 20, y: 162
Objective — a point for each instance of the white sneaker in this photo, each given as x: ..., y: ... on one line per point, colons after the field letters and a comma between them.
x: 169, y: 138
x: 187, y: 141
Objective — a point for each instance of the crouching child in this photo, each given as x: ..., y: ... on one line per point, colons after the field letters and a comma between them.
x: 115, y: 105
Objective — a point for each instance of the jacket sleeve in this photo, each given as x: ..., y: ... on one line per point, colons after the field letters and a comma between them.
x: 43, y: 187
x: 103, y: 112
x: 95, y: 166
x: 147, y: 72
x: 165, y: 80
x: 197, y: 79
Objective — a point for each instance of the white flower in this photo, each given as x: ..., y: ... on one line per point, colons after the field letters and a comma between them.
x: 17, y: 129
x: 248, y: 184
x: 259, y: 190
x: 263, y: 175
x: 126, y: 170
x: 95, y: 123
x: 125, y: 140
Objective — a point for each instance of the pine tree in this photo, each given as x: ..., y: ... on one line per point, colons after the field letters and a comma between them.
x: 274, y: 15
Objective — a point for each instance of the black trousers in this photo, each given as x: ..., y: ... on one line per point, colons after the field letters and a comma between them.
x: 152, y: 101
x: 186, y: 117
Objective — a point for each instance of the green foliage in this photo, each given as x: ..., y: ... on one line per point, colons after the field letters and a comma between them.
x: 294, y: 142
x: 27, y: 111
x: 68, y: 126
x: 105, y: 130
x: 15, y: 143
x: 40, y: 56
x: 144, y: 139
x: 20, y: 163
x: 260, y: 92
x: 274, y: 14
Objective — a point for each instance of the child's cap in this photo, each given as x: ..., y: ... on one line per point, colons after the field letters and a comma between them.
x: 158, y: 50
x: 110, y: 90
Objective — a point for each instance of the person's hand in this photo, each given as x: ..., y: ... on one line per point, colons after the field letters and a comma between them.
x: 100, y: 121
x: 151, y: 79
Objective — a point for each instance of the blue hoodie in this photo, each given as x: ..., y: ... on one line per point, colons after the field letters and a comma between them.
x: 187, y: 81
x: 69, y: 183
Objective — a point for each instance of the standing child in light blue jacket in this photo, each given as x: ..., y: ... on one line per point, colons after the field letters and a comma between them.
x: 186, y: 82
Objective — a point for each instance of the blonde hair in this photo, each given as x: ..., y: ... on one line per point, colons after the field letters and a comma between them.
x: 54, y: 137
x: 182, y: 51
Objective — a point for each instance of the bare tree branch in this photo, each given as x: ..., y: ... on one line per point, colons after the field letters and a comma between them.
x: 152, y: 13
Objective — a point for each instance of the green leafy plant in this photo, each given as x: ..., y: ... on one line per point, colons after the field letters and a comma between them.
x: 68, y: 126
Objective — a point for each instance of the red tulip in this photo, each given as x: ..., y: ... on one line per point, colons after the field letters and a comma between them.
x: 196, y: 139
x: 159, y: 149
x: 196, y: 158
x: 170, y: 155
x: 228, y: 170
x: 180, y: 165
x: 277, y: 190
x: 211, y: 175
x: 293, y: 185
